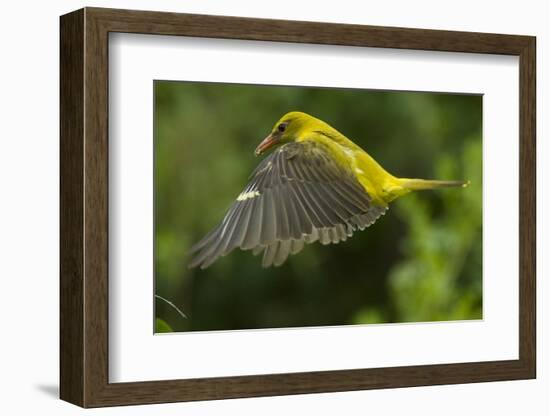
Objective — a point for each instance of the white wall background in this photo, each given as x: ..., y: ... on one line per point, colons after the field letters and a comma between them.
x: 29, y: 85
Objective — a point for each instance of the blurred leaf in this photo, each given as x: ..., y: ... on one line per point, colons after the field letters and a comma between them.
x: 161, y: 326
x: 369, y: 316
x: 442, y: 252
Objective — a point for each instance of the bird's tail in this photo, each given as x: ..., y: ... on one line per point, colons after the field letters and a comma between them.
x: 422, y: 184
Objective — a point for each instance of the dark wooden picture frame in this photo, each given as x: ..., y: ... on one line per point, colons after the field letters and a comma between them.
x: 84, y: 207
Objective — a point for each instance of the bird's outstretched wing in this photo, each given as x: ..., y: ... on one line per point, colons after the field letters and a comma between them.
x: 297, y: 195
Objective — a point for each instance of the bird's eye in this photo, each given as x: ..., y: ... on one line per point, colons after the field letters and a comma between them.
x: 281, y: 127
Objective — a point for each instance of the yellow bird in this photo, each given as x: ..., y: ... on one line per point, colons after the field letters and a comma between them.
x: 316, y: 186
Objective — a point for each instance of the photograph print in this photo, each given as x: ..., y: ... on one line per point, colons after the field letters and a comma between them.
x: 293, y: 207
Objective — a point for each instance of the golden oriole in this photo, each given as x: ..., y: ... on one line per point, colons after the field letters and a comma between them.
x: 316, y: 186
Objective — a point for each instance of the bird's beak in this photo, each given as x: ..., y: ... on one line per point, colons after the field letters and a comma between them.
x: 266, y: 144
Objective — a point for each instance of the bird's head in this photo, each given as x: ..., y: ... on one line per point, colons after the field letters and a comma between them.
x: 289, y: 128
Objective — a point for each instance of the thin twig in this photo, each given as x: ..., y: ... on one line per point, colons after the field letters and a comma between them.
x: 173, y: 306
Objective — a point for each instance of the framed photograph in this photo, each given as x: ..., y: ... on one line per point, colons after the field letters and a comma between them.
x: 254, y: 207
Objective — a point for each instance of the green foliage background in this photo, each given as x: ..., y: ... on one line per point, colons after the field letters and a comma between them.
x: 422, y: 261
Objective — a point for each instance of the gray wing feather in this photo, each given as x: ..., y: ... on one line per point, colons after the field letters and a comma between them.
x: 254, y: 228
